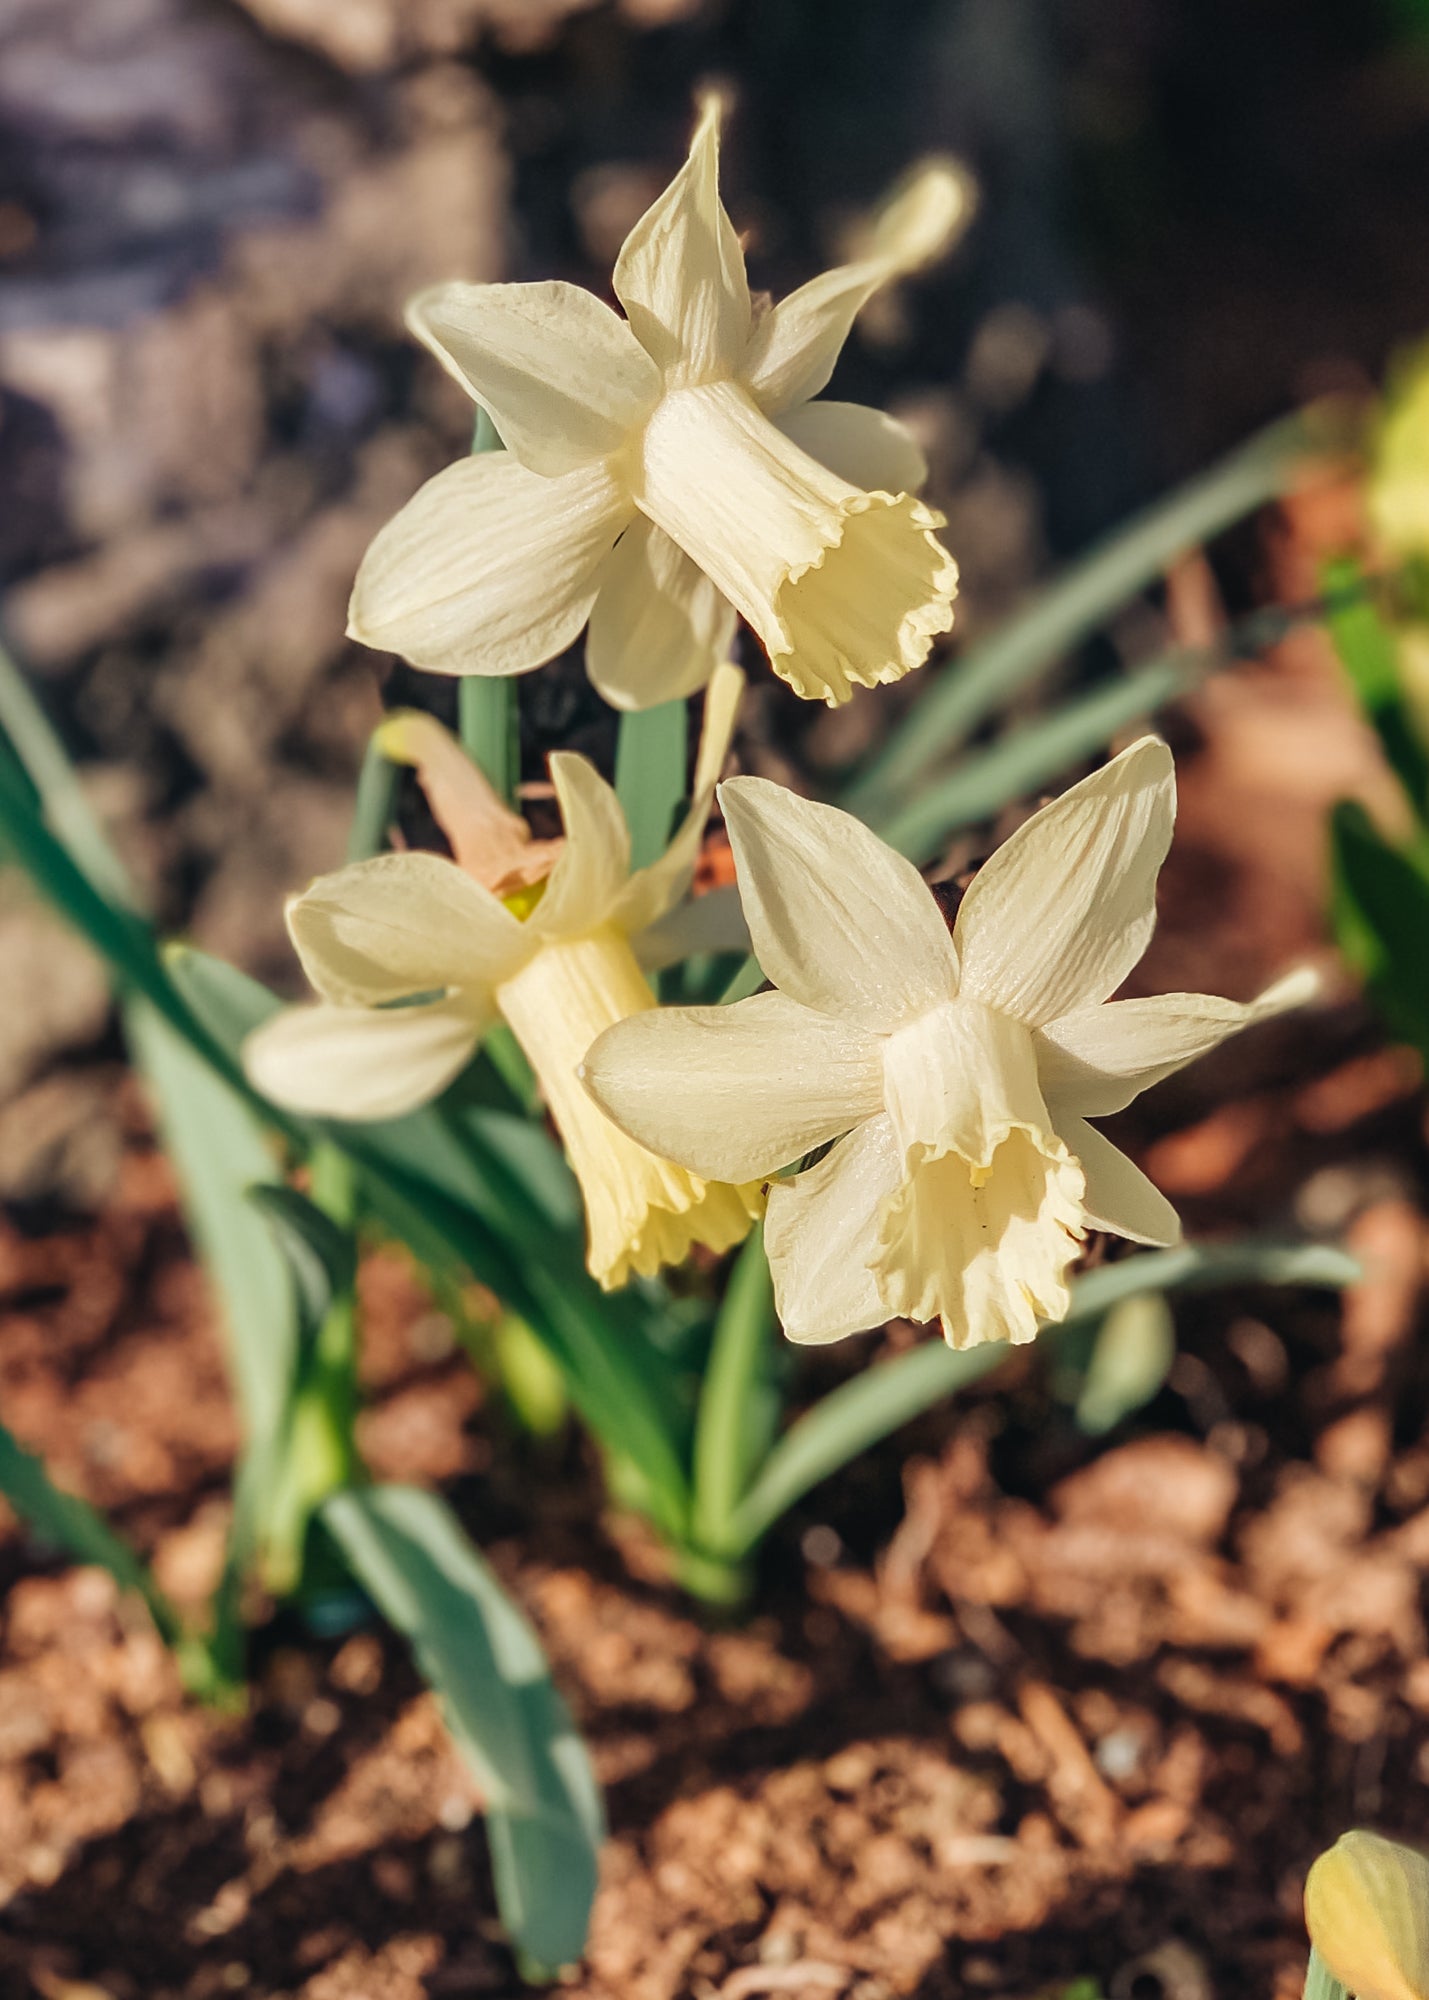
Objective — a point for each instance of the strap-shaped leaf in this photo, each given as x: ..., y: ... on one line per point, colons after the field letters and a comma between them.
x: 478, y: 1652
x: 74, y: 1526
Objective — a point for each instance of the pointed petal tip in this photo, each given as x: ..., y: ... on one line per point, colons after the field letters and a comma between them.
x: 1299, y: 987
x: 933, y: 205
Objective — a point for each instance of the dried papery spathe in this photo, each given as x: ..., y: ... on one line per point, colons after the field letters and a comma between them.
x: 414, y: 956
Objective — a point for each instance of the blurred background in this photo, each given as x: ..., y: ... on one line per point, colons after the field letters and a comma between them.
x: 1195, y: 213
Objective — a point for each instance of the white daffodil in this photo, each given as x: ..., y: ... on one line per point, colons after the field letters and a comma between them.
x: 414, y: 957
x: 667, y: 470
x: 955, y: 1070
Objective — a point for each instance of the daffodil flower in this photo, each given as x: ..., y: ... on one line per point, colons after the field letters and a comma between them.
x: 415, y: 956
x: 955, y: 1070
x: 1367, y: 1912
x: 667, y: 470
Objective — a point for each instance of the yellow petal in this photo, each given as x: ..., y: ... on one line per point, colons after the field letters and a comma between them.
x: 987, y: 1221
x: 561, y: 376
x: 1118, y: 1195
x: 490, y: 842
x: 361, y: 1062
x: 794, y: 347
x: 839, y: 921
x: 863, y: 446
x: 1398, y: 488
x: 680, y: 273
x: 1367, y: 1912
x: 659, y: 627
x: 735, y: 1093
x: 844, y: 588
x: 1096, y: 1060
x: 641, y: 1212
x: 488, y: 569
x: 654, y: 891
x: 822, y: 1238
x: 1065, y: 908
x: 402, y: 924
x: 594, y: 862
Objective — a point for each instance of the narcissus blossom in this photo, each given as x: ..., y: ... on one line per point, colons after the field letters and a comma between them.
x: 955, y: 1070
x: 415, y: 956
x: 1367, y: 1912
x: 667, y: 470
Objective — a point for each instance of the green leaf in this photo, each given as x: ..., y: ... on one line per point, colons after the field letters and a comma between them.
x: 321, y: 1256
x: 487, y: 1192
x: 1023, y: 761
x: 1134, y: 1348
x: 1079, y: 603
x: 57, y: 786
x: 220, y: 1154
x: 650, y: 754
x: 74, y: 1526
x: 478, y: 1652
x: 739, y: 1402
x: 1381, y: 907
x: 880, y: 1400
x: 1369, y: 652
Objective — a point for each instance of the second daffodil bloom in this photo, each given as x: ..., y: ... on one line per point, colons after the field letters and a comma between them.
x: 1367, y: 1912
x: 955, y: 1070
x: 415, y: 956
x: 664, y: 471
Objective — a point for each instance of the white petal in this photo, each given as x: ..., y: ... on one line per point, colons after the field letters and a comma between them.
x: 1098, y: 1059
x: 680, y: 273
x: 984, y: 1228
x: 1118, y: 1195
x: 1065, y: 908
x: 988, y: 1256
x: 491, y: 843
x: 398, y: 925
x: 594, y: 863
x: 839, y: 921
x: 659, y: 627
x: 561, y: 376
x: 360, y: 1062
x: 959, y: 1079
x: 653, y: 891
x: 794, y: 347
x: 865, y: 447
x: 844, y: 588
x: 735, y: 1093
x: 821, y: 1235
x: 488, y: 569
x: 703, y: 925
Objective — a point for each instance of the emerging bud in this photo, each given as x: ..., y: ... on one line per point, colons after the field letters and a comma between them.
x: 1367, y: 1912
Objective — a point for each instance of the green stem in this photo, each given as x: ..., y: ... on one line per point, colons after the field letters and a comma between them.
x: 1069, y: 610
x: 738, y: 1409
x: 1320, y: 1982
x: 650, y: 753
x: 318, y: 1455
x: 488, y: 722
x: 375, y: 806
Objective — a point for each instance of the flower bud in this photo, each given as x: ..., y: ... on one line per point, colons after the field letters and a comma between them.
x: 1367, y: 1912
